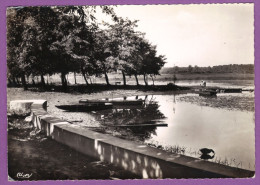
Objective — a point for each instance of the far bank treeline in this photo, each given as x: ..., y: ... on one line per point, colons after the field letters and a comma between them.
x: 50, y: 40
x: 231, y: 68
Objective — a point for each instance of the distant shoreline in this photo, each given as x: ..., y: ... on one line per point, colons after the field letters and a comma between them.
x: 55, y: 85
x: 230, y: 68
x: 210, y: 76
x: 117, y: 77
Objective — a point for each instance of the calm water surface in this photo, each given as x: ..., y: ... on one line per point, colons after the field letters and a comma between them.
x: 230, y: 133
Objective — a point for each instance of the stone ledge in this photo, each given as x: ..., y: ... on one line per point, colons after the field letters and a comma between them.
x: 140, y: 159
x: 23, y: 107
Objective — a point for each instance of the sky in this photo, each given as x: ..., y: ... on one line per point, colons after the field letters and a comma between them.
x: 203, y: 35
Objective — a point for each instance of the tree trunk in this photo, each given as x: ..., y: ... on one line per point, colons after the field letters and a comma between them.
x: 33, y: 82
x: 75, y: 78
x: 27, y: 79
x: 145, y: 81
x: 124, y: 80
x: 136, y: 79
x: 64, y: 81
x: 107, y: 80
x: 14, y: 81
x: 67, y: 79
x: 24, y: 83
x: 152, y: 80
x: 10, y: 81
x: 17, y: 80
x: 48, y: 79
x: 42, y: 80
x: 85, y: 78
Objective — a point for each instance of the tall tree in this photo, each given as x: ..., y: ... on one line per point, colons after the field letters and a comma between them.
x: 28, y: 38
x: 102, y: 54
x: 135, y: 60
x: 92, y: 53
x: 46, y: 40
x: 151, y: 63
x: 123, y: 44
x: 14, y: 29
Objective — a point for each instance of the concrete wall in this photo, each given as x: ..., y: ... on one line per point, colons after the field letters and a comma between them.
x: 140, y: 159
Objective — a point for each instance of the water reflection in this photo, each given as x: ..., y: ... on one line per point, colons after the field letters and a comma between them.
x: 134, y: 116
x: 191, y: 126
x: 207, y: 156
x: 230, y: 132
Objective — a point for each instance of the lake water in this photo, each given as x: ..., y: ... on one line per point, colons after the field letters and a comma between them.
x: 244, y: 84
x: 227, y: 131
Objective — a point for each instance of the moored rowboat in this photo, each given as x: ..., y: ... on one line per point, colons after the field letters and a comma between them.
x: 114, y: 101
x: 227, y: 90
x: 208, y: 93
x: 85, y: 107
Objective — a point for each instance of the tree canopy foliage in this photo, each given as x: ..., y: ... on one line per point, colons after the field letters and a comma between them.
x: 49, y: 40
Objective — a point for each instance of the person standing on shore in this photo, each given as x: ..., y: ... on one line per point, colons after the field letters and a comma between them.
x: 203, y: 83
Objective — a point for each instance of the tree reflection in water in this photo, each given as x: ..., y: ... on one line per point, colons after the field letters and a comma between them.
x: 147, y: 113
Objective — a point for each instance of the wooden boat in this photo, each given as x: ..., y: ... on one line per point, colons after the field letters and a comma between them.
x: 85, y: 107
x: 114, y: 101
x: 227, y: 90
x: 250, y: 90
x: 141, y: 125
x: 208, y: 93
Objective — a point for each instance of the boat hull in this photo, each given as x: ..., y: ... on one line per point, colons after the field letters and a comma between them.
x: 84, y: 107
x: 114, y: 102
x: 208, y: 93
x: 228, y: 90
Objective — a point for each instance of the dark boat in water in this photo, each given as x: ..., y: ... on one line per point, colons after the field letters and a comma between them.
x: 85, y: 107
x: 208, y: 93
x: 113, y: 101
x: 227, y: 90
